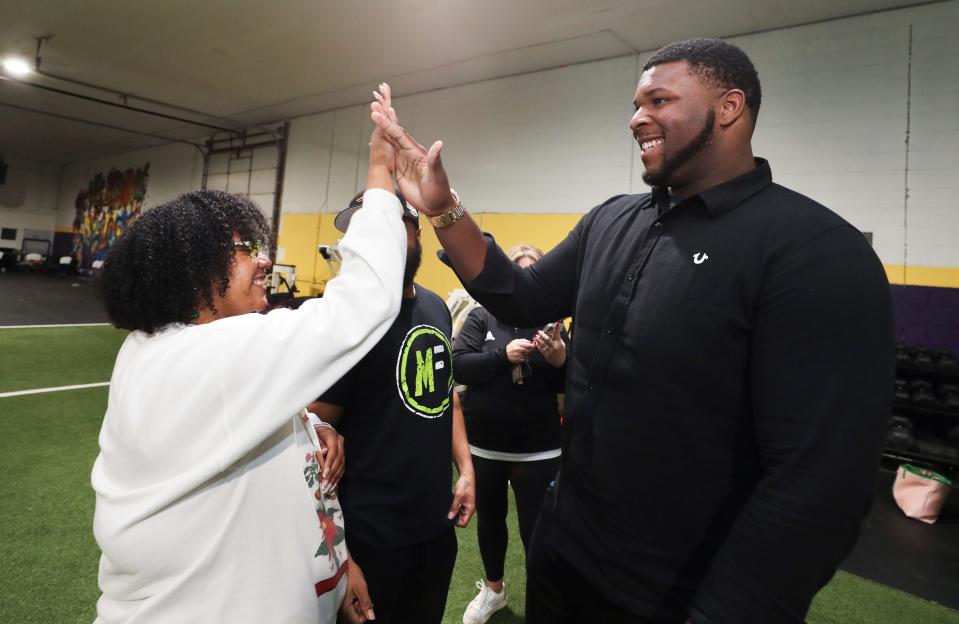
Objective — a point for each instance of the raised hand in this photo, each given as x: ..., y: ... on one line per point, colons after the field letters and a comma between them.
x: 419, y: 172
x: 379, y: 174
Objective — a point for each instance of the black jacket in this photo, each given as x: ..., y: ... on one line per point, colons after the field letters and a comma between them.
x: 501, y: 415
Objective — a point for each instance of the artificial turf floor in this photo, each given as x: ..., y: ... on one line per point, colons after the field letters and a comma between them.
x: 49, y: 559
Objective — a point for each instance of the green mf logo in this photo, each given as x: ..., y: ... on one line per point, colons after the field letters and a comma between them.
x: 424, y: 371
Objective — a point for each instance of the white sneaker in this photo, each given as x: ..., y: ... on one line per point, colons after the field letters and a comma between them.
x: 486, y: 603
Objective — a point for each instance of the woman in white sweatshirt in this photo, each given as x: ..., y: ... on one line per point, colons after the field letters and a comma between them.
x: 211, y: 502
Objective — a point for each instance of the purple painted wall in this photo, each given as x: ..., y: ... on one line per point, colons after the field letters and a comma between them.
x: 927, y: 316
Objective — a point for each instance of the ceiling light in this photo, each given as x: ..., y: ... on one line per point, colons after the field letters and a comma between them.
x: 17, y: 66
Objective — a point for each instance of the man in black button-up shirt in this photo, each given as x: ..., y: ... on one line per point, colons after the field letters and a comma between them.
x: 730, y: 375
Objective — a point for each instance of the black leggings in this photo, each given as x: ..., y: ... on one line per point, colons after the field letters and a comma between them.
x: 529, y: 480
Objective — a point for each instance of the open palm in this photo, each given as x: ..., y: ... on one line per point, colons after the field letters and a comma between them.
x: 419, y: 172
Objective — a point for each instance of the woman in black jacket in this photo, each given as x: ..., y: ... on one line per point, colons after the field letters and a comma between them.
x: 512, y: 422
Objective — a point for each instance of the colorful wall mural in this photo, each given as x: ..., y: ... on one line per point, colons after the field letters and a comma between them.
x: 104, y: 210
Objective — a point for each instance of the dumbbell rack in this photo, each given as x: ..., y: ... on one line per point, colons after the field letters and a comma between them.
x: 924, y: 428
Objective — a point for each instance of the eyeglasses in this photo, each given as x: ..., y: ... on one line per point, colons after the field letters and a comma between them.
x: 254, y: 248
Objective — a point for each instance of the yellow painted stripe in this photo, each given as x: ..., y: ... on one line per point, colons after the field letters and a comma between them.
x: 542, y: 230
x: 301, y: 233
x: 298, y: 239
x: 911, y: 275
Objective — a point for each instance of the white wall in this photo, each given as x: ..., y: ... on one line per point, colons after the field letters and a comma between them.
x: 28, y: 200
x: 838, y: 98
x: 174, y: 169
x: 324, y: 160
x: 251, y: 172
x: 548, y: 142
x: 932, y: 217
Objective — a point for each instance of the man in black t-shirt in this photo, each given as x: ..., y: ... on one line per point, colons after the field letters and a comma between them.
x: 402, y: 424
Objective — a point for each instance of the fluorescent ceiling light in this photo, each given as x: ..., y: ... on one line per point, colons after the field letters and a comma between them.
x: 17, y: 66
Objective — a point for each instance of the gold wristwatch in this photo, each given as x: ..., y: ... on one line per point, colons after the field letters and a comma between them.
x: 452, y: 215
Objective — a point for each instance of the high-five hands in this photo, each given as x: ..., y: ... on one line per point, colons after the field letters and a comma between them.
x: 419, y: 172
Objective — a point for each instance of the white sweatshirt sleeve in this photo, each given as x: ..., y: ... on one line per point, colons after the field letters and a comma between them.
x: 222, y: 388
x: 271, y: 366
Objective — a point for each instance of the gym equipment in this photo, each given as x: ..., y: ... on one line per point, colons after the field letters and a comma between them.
x: 922, y: 358
x: 903, y: 357
x: 949, y: 396
x: 922, y: 393
x: 946, y: 362
x: 900, y: 434
x: 901, y: 394
x: 924, y: 429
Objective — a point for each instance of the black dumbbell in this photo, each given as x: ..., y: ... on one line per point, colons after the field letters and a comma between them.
x: 903, y: 357
x: 946, y: 361
x: 922, y: 393
x: 899, y: 436
x: 901, y: 392
x: 922, y: 357
x: 949, y: 396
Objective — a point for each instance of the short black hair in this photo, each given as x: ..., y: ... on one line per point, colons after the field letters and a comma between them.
x: 170, y: 262
x: 716, y: 62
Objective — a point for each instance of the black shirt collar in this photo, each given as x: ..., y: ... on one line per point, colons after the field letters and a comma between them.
x: 722, y: 198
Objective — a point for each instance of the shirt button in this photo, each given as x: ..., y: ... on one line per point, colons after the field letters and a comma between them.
x: 592, y: 387
x: 630, y: 276
x: 658, y: 224
x: 610, y: 330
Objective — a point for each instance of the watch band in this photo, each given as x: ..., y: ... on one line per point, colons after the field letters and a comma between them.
x: 452, y: 215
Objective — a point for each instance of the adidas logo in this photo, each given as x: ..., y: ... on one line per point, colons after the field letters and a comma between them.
x: 489, y: 336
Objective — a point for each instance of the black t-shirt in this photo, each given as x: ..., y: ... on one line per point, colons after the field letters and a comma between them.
x: 398, y: 426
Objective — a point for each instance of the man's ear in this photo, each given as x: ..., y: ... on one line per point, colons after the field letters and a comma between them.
x: 733, y: 106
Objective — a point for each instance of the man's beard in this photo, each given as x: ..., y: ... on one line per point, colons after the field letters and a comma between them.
x: 671, y: 163
x: 413, y: 259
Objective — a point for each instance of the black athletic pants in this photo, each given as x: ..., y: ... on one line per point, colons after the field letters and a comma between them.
x: 529, y: 481
x: 410, y: 583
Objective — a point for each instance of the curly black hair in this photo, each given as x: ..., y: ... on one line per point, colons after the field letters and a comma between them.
x: 174, y: 257
x: 715, y: 62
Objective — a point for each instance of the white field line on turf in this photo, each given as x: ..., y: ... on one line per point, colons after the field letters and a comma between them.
x: 4, y: 395
x: 47, y: 326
